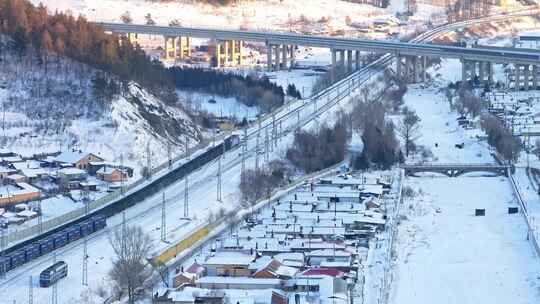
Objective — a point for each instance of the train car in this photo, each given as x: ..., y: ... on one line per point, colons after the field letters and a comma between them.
x: 53, y: 274
x: 46, y: 245
x: 60, y: 239
x: 5, y: 264
x: 99, y: 222
x: 73, y: 233
x: 86, y: 228
x: 17, y: 258
x: 31, y: 252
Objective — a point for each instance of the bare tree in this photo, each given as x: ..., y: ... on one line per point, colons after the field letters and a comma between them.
x: 131, y: 246
x: 409, y: 128
x: 126, y: 17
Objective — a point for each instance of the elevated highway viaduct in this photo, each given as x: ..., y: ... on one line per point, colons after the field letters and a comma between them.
x: 411, y: 58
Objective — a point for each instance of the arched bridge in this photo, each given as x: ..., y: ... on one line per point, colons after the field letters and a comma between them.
x: 452, y: 170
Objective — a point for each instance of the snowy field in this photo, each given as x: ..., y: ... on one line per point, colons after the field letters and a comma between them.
x: 447, y: 255
x: 261, y: 15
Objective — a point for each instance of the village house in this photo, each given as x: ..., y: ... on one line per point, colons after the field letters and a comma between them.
x: 76, y: 158
x: 112, y: 175
x: 229, y: 264
x: 245, y: 283
x: 71, y: 174
x: 188, y: 276
x: 18, y: 193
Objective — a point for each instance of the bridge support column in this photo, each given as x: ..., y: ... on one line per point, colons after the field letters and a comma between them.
x: 170, y: 48
x: 407, y: 73
x: 183, y: 48
x: 240, y: 52
x: 231, y: 51
x: 357, y: 60
x: 341, y: 58
x: 217, y: 54
x: 535, y: 77
x: 269, y: 63
x: 133, y: 38
x: 526, y: 70
x: 334, y: 66
x: 482, y: 72
x: 415, y: 69
x: 292, y: 49
x: 398, y: 66
x: 517, y: 77
x: 490, y: 72
x: 349, y: 61
x: 284, y: 51
x: 277, y: 64
x: 424, y: 68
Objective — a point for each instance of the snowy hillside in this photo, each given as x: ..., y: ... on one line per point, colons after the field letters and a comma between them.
x: 61, y: 112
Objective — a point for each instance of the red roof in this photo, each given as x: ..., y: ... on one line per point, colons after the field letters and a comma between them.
x: 332, y: 272
x: 195, y: 268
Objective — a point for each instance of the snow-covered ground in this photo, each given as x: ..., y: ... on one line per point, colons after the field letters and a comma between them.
x: 317, y: 15
x: 445, y: 254
x: 448, y: 255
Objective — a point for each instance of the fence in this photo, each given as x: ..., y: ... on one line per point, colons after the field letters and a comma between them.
x: 531, y: 235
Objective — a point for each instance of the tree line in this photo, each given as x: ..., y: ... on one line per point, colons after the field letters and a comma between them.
x: 249, y: 90
x: 34, y: 29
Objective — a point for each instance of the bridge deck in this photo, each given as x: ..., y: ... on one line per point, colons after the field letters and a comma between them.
x: 501, y: 55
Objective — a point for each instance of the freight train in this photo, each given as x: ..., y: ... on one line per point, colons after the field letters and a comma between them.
x: 42, y: 244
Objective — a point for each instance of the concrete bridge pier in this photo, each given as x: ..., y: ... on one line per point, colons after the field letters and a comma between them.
x: 284, y: 61
x: 518, y: 76
x: 526, y: 70
x: 423, y: 65
x: 170, y: 48
x: 333, y: 66
x: 292, y: 49
x: 269, y: 62
x: 357, y: 60
x: 133, y: 38
x: 468, y: 71
x: 535, y: 77
x: 277, y: 57
x: 349, y: 61
x: 183, y: 48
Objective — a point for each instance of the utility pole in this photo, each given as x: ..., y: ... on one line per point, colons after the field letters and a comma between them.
x: 266, y: 144
x: 244, y: 150
x: 85, y: 253
x: 122, y: 173
x: 30, y: 291
x: 148, y: 161
x: 2, y: 246
x: 163, y: 219
x: 257, y: 148
x: 219, y: 180
x: 186, y: 184
x: 169, y: 153
x: 40, y: 217
x: 54, y: 299
x: 274, y: 132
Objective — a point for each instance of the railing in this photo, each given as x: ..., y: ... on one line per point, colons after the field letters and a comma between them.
x: 531, y: 234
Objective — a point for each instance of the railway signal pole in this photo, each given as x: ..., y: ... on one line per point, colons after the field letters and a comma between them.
x: 163, y: 219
